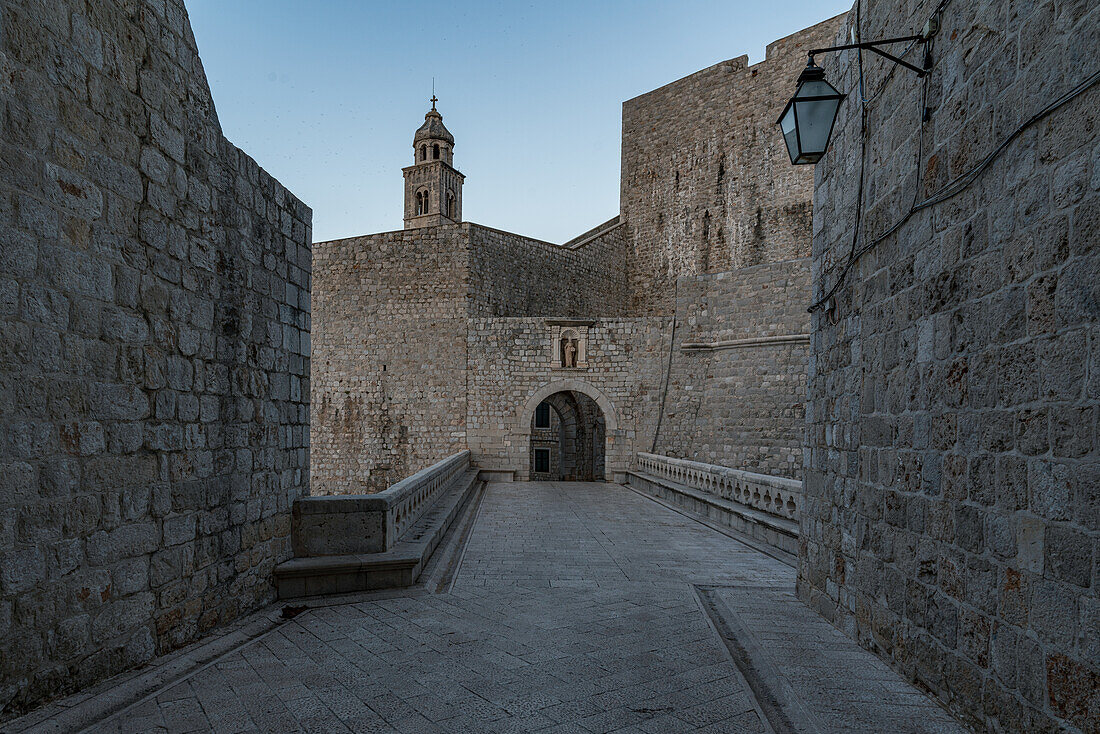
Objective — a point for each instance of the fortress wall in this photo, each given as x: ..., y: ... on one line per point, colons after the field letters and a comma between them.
x: 741, y: 406
x: 706, y: 182
x: 512, y: 275
x: 154, y: 349
x: 510, y: 360
x: 952, y: 514
x: 389, y: 391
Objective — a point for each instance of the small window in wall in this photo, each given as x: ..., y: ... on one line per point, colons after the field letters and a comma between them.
x: 542, y: 415
x: 435, y: 152
x: 451, y: 205
x: 542, y: 461
x: 423, y: 152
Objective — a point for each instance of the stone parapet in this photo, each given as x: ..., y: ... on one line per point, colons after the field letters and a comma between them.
x: 778, y: 496
x: 341, y: 524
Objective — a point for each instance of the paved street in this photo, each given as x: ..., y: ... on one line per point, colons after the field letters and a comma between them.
x: 576, y: 608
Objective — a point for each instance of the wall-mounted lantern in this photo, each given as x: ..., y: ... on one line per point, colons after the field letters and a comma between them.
x: 807, y: 120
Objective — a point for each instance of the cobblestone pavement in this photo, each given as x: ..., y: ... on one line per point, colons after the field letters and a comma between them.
x: 576, y: 609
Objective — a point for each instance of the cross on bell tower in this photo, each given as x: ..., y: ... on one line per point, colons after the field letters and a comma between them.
x: 433, y: 186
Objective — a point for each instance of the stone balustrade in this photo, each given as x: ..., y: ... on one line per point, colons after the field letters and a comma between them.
x: 370, y: 523
x: 775, y: 495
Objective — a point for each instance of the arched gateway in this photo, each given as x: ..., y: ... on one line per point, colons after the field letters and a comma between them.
x: 569, y: 425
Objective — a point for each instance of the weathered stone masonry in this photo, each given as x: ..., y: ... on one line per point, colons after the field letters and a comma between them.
x: 154, y: 349
x: 434, y: 339
x: 952, y: 485
x: 391, y: 339
x: 707, y: 186
x: 390, y: 354
x: 737, y: 383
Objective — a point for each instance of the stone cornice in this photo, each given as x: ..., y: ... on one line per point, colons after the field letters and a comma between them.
x: 741, y: 343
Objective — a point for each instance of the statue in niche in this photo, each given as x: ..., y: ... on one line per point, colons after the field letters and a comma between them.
x: 570, y: 348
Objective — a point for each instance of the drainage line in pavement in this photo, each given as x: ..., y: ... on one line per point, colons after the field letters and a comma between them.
x: 775, y: 701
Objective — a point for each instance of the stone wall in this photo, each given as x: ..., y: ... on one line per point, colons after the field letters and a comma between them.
x: 391, y: 346
x: 737, y: 385
x: 512, y: 275
x: 390, y: 351
x: 154, y: 349
x: 510, y: 374
x: 706, y: 183
x: 951, y: 520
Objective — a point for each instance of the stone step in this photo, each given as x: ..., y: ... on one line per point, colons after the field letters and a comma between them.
x: 778, y: 532
x: 398, y: 567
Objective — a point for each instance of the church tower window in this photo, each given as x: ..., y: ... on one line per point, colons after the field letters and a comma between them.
x: 423, y: 152
x: 451, y: 205
x: 435, y: 152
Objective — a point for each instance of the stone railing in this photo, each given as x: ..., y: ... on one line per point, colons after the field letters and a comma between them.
x: 775, y: 495
x: 370, y: 523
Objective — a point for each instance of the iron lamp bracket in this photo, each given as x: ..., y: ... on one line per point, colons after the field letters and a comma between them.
x: 874, y: 47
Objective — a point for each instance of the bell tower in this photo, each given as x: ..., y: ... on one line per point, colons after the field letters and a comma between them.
x: 433, y: 187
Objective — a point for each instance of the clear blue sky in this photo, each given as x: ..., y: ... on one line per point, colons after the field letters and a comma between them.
x: 326, y: 94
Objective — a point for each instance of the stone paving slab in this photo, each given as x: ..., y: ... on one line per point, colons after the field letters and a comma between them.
x: 575, y: 609
x: 821, y: 679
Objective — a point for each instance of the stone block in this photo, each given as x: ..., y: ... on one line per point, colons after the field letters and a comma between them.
x: 178, y: 529
x: 1030, y: 532
x: 122, y: 616
x: 104, y: 548
x: 1074, y: 690
x: 1069, y: 555
x: 21, y: 569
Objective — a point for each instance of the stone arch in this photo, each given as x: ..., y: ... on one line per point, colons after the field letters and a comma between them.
x: 527, y: 413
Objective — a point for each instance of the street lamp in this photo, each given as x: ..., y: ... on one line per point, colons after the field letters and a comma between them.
x: 807, y: 120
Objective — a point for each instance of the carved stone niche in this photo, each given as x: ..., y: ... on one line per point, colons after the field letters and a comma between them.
x: 569, y: 344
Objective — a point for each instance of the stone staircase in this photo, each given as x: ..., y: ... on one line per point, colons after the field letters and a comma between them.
x: 350, y: 543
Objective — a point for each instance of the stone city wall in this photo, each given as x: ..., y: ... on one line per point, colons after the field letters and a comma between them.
x: 512, y: 275
x: 737, y: 386
x: 706, y: 182
x: 510, y: 369
x: 390, y: 353
x: 154, y: 349
x: 952, y: 511
x: 391, y: 338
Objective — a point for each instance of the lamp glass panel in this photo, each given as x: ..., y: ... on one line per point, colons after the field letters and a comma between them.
x: 815, y: 121
x: 819, y: 88
x: 790, y: 134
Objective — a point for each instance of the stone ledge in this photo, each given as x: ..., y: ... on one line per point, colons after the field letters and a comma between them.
x: 762, y: 341
x: 398, y: 567
x: 497, y: 475
x: 778, y: 532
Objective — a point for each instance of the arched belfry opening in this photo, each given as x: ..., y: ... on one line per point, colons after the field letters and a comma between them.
x: 568, y: 438
x: 432, y: 170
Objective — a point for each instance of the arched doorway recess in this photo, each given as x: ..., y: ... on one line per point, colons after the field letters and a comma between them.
x: 568, y: 437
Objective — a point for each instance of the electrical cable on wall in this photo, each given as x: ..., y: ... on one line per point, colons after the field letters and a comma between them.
x: 668, y: 367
